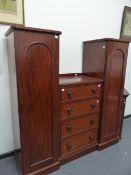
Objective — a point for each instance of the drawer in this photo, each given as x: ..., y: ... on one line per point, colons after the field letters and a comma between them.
x: 80, y: 92
x: 77, y: 124
x: 80, y: 108
x: 79, y: 141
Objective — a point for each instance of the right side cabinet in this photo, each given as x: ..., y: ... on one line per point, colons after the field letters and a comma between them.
x: 106, y: 59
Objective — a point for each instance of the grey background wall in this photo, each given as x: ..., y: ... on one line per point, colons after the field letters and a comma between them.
x: 78, y: 20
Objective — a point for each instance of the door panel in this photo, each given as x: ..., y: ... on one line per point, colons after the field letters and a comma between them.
x: 113, y: 92
x: 38, y: 70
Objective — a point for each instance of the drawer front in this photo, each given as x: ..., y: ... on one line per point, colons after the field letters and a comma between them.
x: 78, y: 124
x: 80, y: 108
x: 79, y: 141
x: 80, y: 92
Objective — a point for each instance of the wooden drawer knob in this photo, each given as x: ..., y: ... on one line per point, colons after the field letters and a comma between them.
x: 68, y: 146
x: 69, y: 110
x: 91, y: 138
x: 69, y: 128
x: 70, y: 94
x: 92, y: 122
x: 93, y: 106
x: 93, y: 91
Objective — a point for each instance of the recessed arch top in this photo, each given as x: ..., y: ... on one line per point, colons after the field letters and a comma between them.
x: 38, y: 77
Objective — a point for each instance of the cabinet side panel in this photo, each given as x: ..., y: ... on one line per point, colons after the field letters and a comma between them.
x: 94, y: 58
x: 13, y: 92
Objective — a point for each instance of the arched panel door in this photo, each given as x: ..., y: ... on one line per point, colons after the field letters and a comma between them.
x: 39, y: 99
x: 114, y: 85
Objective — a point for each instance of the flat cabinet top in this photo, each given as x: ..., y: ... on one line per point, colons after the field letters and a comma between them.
x: 30, y: 29
x: 106, y: 39
x: 77, y: 79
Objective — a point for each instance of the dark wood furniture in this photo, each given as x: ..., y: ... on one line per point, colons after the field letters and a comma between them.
x: 80, y: 115
x: 125, y: 95
x: 57, y: 119
x: 106, y: 59
x: 34, y: 82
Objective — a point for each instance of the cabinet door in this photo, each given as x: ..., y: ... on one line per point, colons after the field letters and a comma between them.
x: 37, y: 71
x: 114, y: 83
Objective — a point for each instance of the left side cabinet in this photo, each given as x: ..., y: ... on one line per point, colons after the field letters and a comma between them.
x: 34, y: 84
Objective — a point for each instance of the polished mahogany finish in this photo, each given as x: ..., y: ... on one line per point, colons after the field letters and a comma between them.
x: 80, y: 111
x: 80, y: 108
x: 78, y: 142
x: 81, y: 92
x: 34, y: 75
x: 78, y: 123
x: 107, y: 59
x: 76, y: 79
x: 59, y: 118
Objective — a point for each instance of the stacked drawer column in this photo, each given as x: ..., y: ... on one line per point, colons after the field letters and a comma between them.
x: 80, y: 111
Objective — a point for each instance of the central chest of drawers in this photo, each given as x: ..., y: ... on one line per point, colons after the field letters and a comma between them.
x: 80, y: 113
